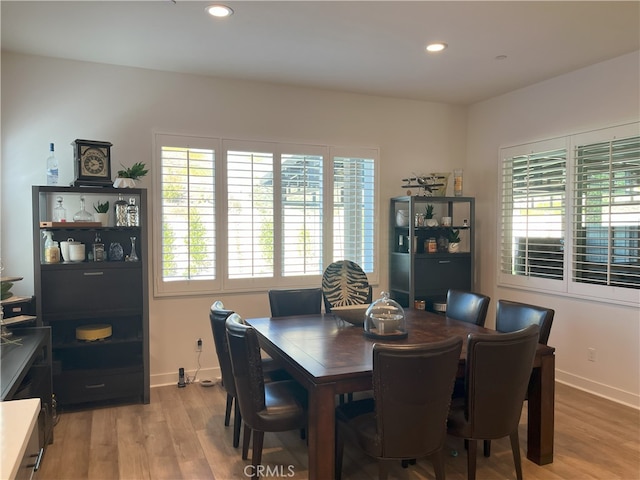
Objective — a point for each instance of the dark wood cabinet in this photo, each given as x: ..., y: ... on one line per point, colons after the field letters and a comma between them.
x: 417, y: 272
x: 113, y: 292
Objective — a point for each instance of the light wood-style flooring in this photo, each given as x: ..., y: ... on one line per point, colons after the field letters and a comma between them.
x: 181, y: 435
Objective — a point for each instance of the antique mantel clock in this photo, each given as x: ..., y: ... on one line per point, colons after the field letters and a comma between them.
x: 92, y: 163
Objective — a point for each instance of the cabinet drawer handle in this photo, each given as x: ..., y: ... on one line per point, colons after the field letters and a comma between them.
x: 93, y: 274
x: 36, y: 466
x: 97, y: 385
x: 444, y: 261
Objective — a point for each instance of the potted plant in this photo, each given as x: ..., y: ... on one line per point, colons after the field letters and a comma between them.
x: 127, y: 177
x: 102, y: 212
x: 429, y: 220
x: 453, y: 235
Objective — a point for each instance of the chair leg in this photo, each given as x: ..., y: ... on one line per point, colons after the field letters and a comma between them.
x: 471, y: 459
x: 237, y: 421
x: 256, y: 456
x: 245, y: 441
x: 487, y: 448
x: 339, y: 453
x: 383, y: 469
x: 515, y: 448
x: 437, y: 459
x: 227, y: 412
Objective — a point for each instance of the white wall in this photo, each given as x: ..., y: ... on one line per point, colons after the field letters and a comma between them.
x: 49, y: 100
x: 599, y: 96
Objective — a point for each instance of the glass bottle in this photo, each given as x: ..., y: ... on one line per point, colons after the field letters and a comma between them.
x: 120, y: 208
x: 82, y: 215
x: 98, y: 249
x: 133, y: 257
x: 133, y: 217
x: 59, y: 213
x: 52, y: 167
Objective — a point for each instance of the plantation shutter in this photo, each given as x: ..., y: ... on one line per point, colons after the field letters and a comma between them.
x: 606, y: 220
x: 532, y: 237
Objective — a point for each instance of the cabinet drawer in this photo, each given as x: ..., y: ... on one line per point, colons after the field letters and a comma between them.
x: 72, y: 293
x: 96, y: 385
x: 435, y: 276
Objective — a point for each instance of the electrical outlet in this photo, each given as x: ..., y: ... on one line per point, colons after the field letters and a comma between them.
x: 591, y: 354
x: 199, y: 345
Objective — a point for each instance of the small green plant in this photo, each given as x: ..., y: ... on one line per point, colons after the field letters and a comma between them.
x: 453, y: 235
x: 429, y: 213
x: 101, y: 207
x: 138, y: 170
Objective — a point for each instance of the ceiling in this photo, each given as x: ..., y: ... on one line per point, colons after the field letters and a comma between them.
x: 372, y: 48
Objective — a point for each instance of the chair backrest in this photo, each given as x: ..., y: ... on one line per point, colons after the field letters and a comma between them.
x: 246, y: 362
x: 467, y: 306
x: 498, y: 369
x: 218, y: 317
x: 412, y: 387
x: 301, y: 301
x: 512, y: 316
x: 345, y: 283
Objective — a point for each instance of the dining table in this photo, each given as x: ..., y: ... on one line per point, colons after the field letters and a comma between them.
x: 330, y: 357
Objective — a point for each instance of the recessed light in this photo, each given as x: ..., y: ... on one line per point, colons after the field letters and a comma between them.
x: 219, y: 11
x: 436, y: 47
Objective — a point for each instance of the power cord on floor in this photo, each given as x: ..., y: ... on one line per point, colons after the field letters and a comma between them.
x: 195, y: 375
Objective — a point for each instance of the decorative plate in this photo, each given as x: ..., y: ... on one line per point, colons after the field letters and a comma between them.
x: 345, y: 283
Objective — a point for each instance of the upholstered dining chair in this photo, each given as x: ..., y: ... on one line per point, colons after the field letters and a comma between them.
x: 299, y: 301
x: 406, y: 418
x: 265, y: 407
x: 345, y: 283
x: 497, y: 372
x: 218, y: 316
x: 467, y: 307
x: 512, y: 316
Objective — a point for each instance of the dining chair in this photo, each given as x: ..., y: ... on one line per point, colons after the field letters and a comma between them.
x: 300, y: 301
x: 406, y: 418
x: 265, y: 406
x: 218, y: 316
x: 467, y: 307
x: 497, y: 371
x: 512, y: 316
x: 345, y: 283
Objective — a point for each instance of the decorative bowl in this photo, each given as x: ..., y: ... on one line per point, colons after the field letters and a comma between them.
x: 353, y: 314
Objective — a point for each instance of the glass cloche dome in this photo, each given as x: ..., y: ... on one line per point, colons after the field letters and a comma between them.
x: 385, y: 319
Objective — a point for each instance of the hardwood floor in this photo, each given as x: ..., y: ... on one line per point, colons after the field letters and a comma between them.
x: 181, y: 435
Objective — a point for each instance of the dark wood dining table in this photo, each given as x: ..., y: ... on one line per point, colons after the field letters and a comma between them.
x: 329, y: 357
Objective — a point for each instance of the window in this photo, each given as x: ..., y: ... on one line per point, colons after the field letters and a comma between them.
x: 241, y: 215
x: 606, y: 222
x: 570, y: 215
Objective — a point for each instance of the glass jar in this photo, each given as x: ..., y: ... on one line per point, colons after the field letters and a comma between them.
x: 59, y: 213
x: 432, y: 246
x: 133, y: 215
x: 385, y: 319
x: 120, y: 209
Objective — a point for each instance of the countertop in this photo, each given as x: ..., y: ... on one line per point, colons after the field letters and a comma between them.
x: 17, y: 420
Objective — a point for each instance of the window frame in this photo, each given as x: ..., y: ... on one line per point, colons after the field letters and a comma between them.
x: 222, y: 282
x: 566, y: 286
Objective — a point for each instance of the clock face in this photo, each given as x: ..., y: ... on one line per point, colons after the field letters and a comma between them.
x: 93, y: 162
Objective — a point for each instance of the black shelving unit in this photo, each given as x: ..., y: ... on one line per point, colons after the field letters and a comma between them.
x: 115, y: 293
x: 416, y: 274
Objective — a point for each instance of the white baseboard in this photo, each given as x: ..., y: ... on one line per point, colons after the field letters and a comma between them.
x: 610, y: 393
x: 162, y: 379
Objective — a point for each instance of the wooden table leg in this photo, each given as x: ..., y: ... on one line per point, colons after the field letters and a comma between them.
x: 541, y: 412
x: 321, y: 432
